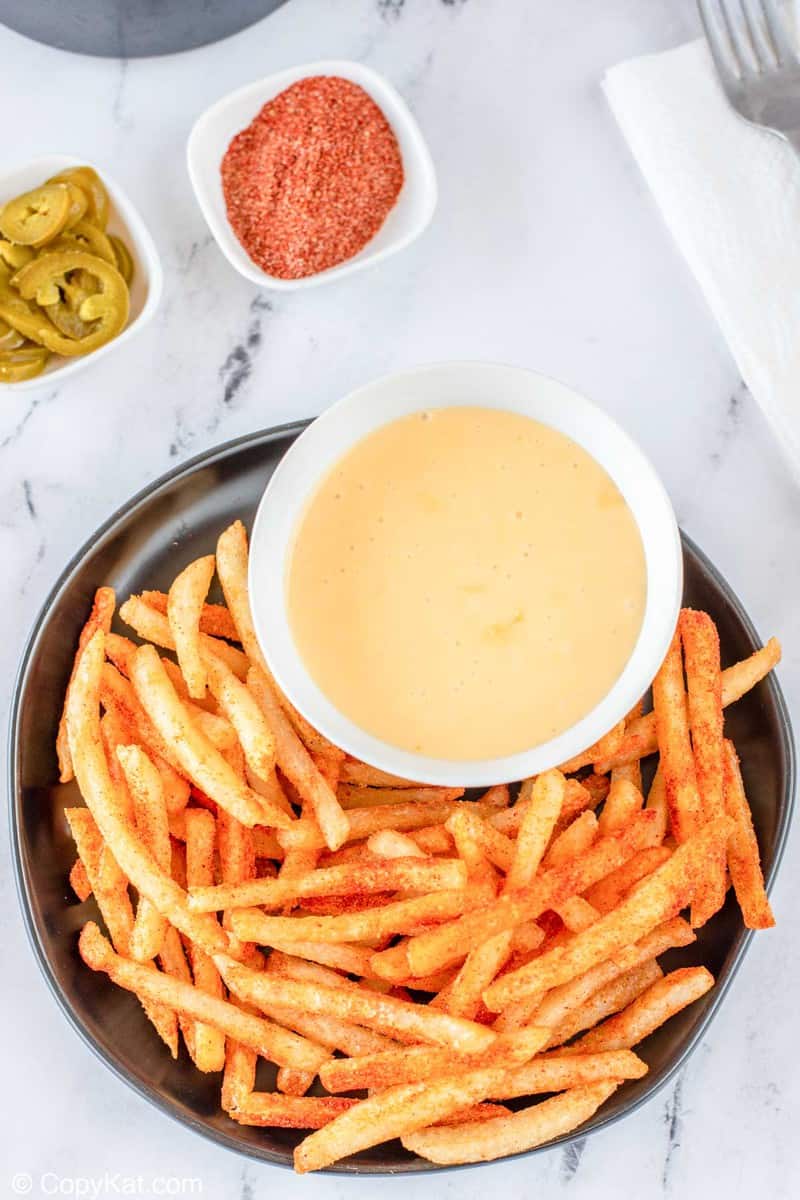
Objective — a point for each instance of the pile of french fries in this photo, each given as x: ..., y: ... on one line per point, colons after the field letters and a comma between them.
x: 267, y: 897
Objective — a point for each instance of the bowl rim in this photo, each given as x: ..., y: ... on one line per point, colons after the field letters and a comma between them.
x: 149, y: 262
x: 373, y: 405
x: 146, y: 1091
x: 393, y: 107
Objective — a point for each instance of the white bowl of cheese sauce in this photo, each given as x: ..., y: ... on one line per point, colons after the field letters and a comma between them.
x: 465, y: 573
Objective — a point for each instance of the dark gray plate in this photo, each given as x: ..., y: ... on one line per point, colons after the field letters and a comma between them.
x: 144, y: 545
x: 131, y: 28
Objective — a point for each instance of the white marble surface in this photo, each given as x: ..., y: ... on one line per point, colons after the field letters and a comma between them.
x: 547, y: 251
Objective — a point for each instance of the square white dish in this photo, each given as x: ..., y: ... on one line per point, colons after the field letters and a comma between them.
x: 212, y: 134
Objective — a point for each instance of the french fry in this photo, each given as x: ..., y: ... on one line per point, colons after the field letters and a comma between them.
x: 623, y: 800
x: 480, y: 967
x: 577, y: 913
x: 605, y: 746
x: 100, y: 617
x: 115, y: 909
x: 392, y: 1113
x: 432, y: 875
x: 297, y: 765
x: 237, y: 859
x: 700, y: 642
x: 532, y: 1126
x: 271, y: 1041
x: 677, y: 760
x: 153, y: 626
x: 652, y: 1008
x: 350, y: 796
x: 362, y: 822
x: 144, y: 785
x: 172, y: 960
x: 239, y: 1078
x: 535, y: 832
x: 200, y: 844
x: 556, y: 1073
x: 117, y: 696
x: 742, y: 848
x: 362, y: 775
x: 245, y: 715
x: 640, y: 739
x: 293, y: 1083
x: 609, y: 999
x: 271, y: 1109
x: 657, y: 803
x: 201, y: 761
x: 215, y: 619
x: 469, y: 829
x: 561, y: 1001
x: 657, y: 898
x: 433, y: 839
x: 91, y: 771
x: 388, y: 843
x: 575, y: 839
x: 611, y: 891
x: 438, y: 948
x: 362, y: 1007
x: 400, y: 916
x: 79, y: 881
x: 184, y: 611
x: 415, y: 1064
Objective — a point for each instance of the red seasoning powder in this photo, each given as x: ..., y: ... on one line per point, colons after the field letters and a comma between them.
x: 312, y: 178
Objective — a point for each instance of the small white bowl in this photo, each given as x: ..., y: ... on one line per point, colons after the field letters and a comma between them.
x: 125, y: 222
x: 445, y: 385
x: 212, y: 134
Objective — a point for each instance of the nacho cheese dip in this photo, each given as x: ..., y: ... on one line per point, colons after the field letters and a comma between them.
x: 466, y: 583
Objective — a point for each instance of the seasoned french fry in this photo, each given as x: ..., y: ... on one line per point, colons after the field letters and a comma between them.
x: 239, y: 1078
x: 215, y: 619
x: 700, y: 642
x: 414, y: 1064
x: 200, y: 843
x: 672, y: 728
x: 362, y: 822
x: 351, y: 796
x: 575, y: 839
x: 438, y: 948
x: 201, y: 761
x: 532, y: 1126
x: 278, y: 1045
x: 742, y: 848
x: 623, y: 800
x: 480, y: 967
x: 95, y: 783
x: 144, y: 785
x: 612, y: 890
x: 240, y: 707
x: 297, y: 765
x: 640, y: 739
x: 657, y: 898
x: 382, y: 1013
x: 115, y: 908
x: 388, y: 843
x: 609, y: 999
x: 392, y: 1113
x: 469, y: 828
x: 535, y: 832
x: 79, y: 881
x: 184, y: 611
x: 657, y: 803
x: 290, y: 1112
x: 362, y: 775
x: 556, y: 1073
x: 652, y: 1008
x: 153, y: 626
x: 100, y: 617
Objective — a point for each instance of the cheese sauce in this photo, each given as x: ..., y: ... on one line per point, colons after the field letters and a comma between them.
x: 466, y: 583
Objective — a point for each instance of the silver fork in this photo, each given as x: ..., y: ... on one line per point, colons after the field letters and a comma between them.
x: 757, y: 64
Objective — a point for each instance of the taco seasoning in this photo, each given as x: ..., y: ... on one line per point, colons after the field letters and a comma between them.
x: 312, y: 178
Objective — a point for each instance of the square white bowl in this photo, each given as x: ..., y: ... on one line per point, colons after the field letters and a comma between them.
x: 212, y: 134
x: 125, y: 222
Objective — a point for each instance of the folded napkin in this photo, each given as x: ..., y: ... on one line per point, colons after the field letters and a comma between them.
x: 730, y: 194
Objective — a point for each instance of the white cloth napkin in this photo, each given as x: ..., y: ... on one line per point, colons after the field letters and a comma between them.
x: 730, y: 194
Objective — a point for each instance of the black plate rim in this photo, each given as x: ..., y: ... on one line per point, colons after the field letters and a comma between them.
x: 150, y: 1094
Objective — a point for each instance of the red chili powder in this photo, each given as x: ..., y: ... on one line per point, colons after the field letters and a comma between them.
x: 312, y: 178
